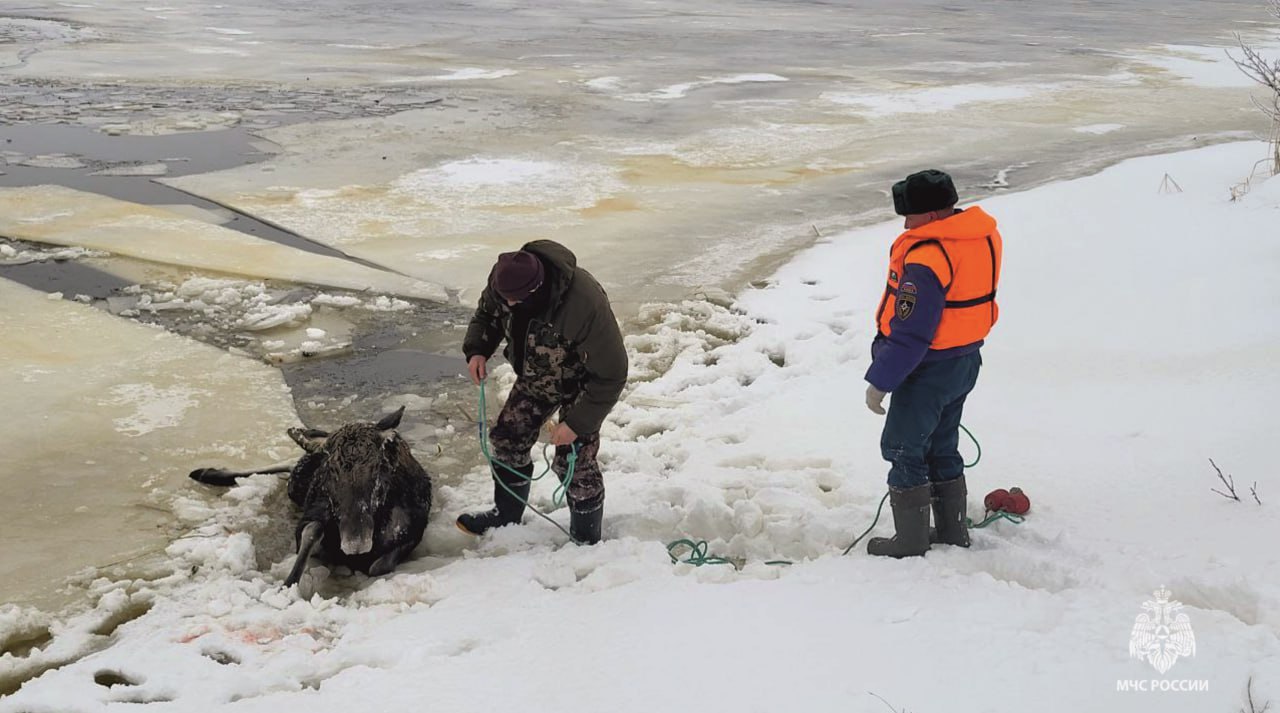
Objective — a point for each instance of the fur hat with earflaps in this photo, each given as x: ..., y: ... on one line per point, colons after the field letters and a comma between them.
x: 924, y: 191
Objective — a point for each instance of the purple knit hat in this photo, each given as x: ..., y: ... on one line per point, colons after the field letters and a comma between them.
x: 516, y: 275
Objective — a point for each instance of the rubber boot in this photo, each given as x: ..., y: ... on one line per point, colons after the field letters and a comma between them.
x: 910, y: 519
x: 950, y: 513
x: 507, y: 509
x: 585, y: 519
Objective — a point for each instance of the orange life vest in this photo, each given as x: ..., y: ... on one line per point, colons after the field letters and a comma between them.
x: 964, y: 252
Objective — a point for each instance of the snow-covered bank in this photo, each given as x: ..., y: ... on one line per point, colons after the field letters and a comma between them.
x: 1138, y: 338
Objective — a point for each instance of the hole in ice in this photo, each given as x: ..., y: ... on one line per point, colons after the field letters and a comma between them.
x: 144, y: 698
x: 110, y: 679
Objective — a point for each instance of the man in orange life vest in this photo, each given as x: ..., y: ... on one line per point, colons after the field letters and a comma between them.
x: 937, y: 309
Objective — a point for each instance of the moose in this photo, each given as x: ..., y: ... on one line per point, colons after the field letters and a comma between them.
x: 364, y: 497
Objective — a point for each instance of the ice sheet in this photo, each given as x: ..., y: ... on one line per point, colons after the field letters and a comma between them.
x: 61, y: 216
x: 98, y: 412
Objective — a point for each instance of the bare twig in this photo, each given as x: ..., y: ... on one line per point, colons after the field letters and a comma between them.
x: 904, y: 710
x: 816, y: 231
x: 1253, y: 707
x: 1241, y: 189
x: 1254, y: 492
x: 1228, y: 481
x: 1267, y: 74
x: 1256, y: 67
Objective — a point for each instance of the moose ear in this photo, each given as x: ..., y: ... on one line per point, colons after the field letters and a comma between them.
x: 390, y: 421
x: 310, y: 440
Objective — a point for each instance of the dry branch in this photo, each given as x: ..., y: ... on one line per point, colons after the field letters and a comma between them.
x: 1228, y: 481
x: 1253, y: 707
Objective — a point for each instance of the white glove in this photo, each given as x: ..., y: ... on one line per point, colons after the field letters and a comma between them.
x: 875, y: 400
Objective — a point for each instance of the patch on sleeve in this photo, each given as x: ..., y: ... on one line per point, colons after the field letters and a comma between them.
x: 906, y: 303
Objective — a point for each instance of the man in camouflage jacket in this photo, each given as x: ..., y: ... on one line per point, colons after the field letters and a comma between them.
x: 565, y: 346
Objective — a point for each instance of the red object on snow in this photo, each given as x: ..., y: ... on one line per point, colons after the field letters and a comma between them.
x: 1019, y: 503
x: 1012, y: 501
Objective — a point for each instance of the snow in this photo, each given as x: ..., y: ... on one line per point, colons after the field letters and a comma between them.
x: 10, y: 255
x: 62, y: 216
x: 1137, y: 340
x: 1098, y: 129
x: 1205, y: 66
x: 680, y: 91
x: 495, y: 183
x: 1265, y: 194
x: 931, y: 100
x: 458, y: 75
x: 153, y: 408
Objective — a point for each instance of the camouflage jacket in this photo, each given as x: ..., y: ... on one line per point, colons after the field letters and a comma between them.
x: 573, y: 353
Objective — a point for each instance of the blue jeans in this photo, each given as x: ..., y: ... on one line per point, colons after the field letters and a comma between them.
x: 922, y: 430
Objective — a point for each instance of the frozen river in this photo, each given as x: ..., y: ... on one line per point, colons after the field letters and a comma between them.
x: 675, y: 147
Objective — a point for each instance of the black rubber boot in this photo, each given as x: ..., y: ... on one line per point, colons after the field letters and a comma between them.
x: 507, y: 510
x: 585, y: 520
x: 910, y: 519
x: 950, y: 513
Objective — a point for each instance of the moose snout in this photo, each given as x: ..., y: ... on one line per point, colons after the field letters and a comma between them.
x: 357, y: 536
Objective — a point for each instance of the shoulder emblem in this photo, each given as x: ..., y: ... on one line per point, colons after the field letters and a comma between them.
x: 906, y: 303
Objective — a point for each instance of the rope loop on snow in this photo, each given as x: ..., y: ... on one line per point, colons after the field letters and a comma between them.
x: 698, y: 553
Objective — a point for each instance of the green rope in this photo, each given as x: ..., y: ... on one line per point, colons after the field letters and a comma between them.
x: 557, y: 498
x: 699, y: 550
x: 992, y: 517
x: 869, y: 529
x: 700, y: 555
x: 975, y: 443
